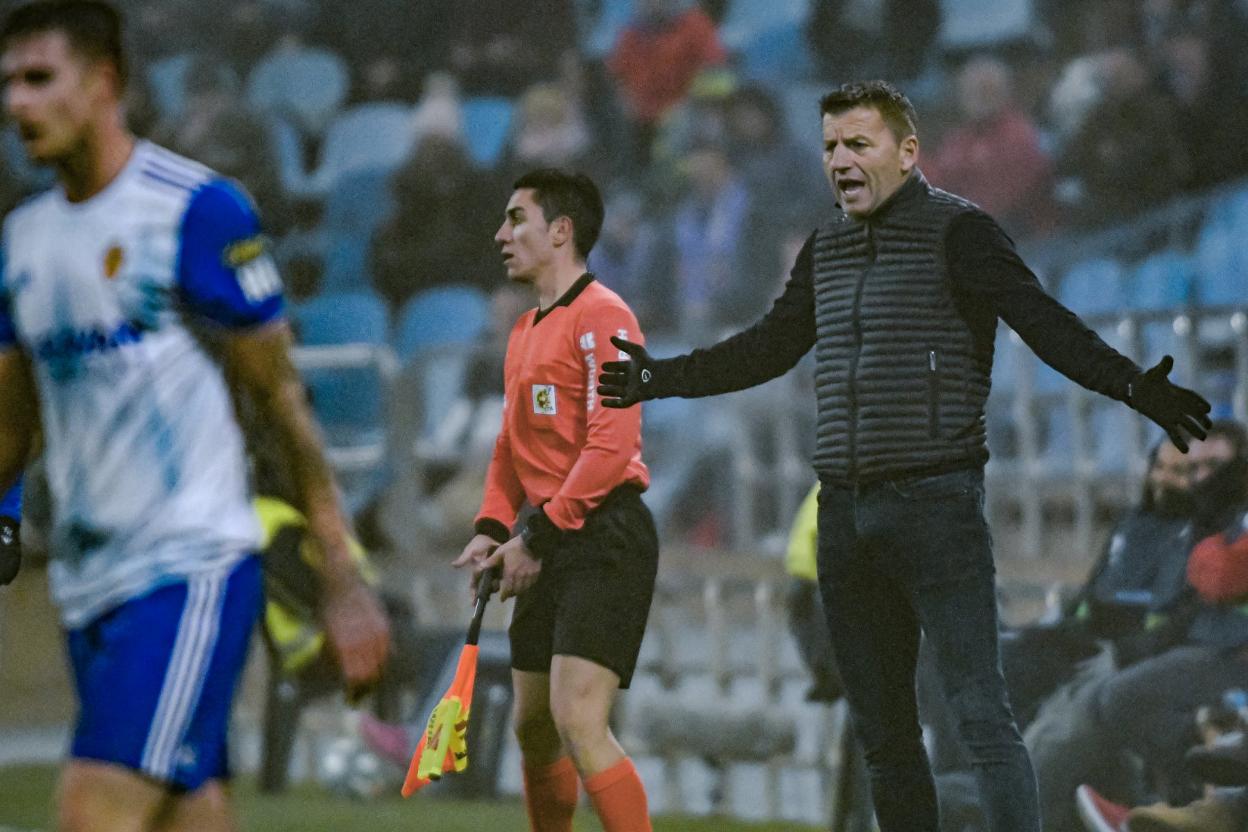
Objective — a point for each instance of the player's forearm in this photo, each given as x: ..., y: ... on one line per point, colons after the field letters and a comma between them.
x: 296, y: 430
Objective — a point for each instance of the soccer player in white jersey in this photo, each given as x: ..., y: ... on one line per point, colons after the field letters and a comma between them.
x: 129, y: 294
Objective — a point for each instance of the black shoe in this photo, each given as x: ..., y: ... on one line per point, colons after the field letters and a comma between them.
x: 1225, y: 763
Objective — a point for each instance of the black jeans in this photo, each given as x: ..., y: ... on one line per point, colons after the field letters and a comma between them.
x: 901, y: 558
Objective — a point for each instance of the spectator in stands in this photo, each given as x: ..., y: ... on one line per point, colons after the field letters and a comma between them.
x: 1210, y: 108
x: 498, y: 47
x: 1143, y: 699
x: 994, y: 156
x: 439, y: 109
x: 549, y: 132
x: 633, y: 257
x: 218, y: 130
x: 656, y: 59
x: 1140, y: 574
x: 890, y: 38
x: 1128, y: 154
x: 710, y: 227
x: 439, y: 231
x: 779, y: 173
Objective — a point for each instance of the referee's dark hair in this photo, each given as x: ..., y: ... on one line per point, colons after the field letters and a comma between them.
x: 93, y: 28
x: 561, y: 193
x: 881, y: 96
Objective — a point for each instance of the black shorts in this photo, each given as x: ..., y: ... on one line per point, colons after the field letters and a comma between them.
x: 592, y: 597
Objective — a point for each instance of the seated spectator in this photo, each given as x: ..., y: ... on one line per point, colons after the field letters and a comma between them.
x: 1140, y: 573
x: 498, y: 47
x: 633, y: 258
x: 1128, y: 154
x: 656, y: 59
x: 994, y: 156
x: 1225, y: 811
x: 439, y: 109
x: 886, y: 38
x: 1140, y: 702
x: 1210, y: 106
x: 218, y: 130
x: 549, y: 132
x: 444, y: 218
x: 710, y: 225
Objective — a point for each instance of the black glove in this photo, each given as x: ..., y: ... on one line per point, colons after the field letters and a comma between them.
x: 10, y: 549
x: 1179, y: 411
x: 624, y: 383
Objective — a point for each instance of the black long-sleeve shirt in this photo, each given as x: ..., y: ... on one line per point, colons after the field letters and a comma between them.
x: 988, y: 281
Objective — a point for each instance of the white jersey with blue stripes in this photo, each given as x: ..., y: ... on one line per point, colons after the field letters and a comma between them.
x: 116, y: 299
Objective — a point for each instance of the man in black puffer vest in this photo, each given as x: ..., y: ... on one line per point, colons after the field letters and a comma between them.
x: 899, y: 294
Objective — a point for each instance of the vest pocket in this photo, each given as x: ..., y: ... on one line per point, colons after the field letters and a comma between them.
x: 933, y: 394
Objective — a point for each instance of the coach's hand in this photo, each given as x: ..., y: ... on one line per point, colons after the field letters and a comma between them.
x: 475, y: 553
x: 1181, y: 413
x: 357, y: 630
x: 625, y: 383
x: 520, y: 568
x: 10, y: 549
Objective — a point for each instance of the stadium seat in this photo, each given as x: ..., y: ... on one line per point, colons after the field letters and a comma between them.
x: 780, y: 53
x: 355, y: 208
x: 303, y: 84
x: 746, y: 20
x: 1165, y: 280
x: 439, y: 316
x: 347, y: 401
x: 604, y: 30
x: 968, y: 24
x: 487, y: 126
x: 341, y: 318
x: 1222, y: 265
x: 166, y: 79
x: 370, y: 137
x: 1093, y: 287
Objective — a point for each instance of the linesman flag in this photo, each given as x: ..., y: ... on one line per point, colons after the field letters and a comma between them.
x: 444, y: 745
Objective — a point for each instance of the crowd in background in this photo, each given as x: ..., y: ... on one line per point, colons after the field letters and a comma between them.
x: 1095, y: 110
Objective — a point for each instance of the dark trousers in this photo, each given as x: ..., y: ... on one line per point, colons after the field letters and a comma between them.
x: 896, y: 560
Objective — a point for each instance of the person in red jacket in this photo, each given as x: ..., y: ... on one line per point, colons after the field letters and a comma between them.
x: 583, y: 564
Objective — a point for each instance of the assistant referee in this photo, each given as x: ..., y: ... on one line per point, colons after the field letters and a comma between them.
x: 583, y: 565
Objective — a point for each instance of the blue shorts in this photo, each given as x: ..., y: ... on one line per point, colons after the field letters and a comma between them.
x: 156, y: 676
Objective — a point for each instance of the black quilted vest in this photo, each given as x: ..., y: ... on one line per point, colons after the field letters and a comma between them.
x: 901, y: 383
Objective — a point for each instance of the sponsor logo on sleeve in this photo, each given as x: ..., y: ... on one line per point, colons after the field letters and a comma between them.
x: 544, y: 403
x: 587, y: 342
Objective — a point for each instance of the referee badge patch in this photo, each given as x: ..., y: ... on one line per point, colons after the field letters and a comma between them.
x: 544, y: 399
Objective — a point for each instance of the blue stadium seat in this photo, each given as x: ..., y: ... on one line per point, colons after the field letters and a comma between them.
x: 348, y: 401
x: 1093, y: 287
x: 780, y: 53
x: 439, y: 316
x: 356, y: 207
x: 745, y: 20
x: 487, y: 126
x: 1222, y: 266
x: 370, y: 137
x: 166, y: 79
x: 1165, y: 280
x: 303, y: 84
x: 604, y: 31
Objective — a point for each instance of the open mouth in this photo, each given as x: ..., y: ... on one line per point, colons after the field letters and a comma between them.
x: 850, y: 187
x: 28, y: 132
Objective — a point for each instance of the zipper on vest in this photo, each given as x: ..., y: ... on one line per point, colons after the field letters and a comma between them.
x: 933, y: 395
x: 852, y: 444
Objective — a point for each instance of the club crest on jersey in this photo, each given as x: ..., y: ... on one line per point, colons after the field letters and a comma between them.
x: 113, y: 258
x: 544, y: 400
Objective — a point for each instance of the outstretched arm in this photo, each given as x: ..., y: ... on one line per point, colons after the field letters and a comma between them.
x: 990, y: 278
x: 767, y: 349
